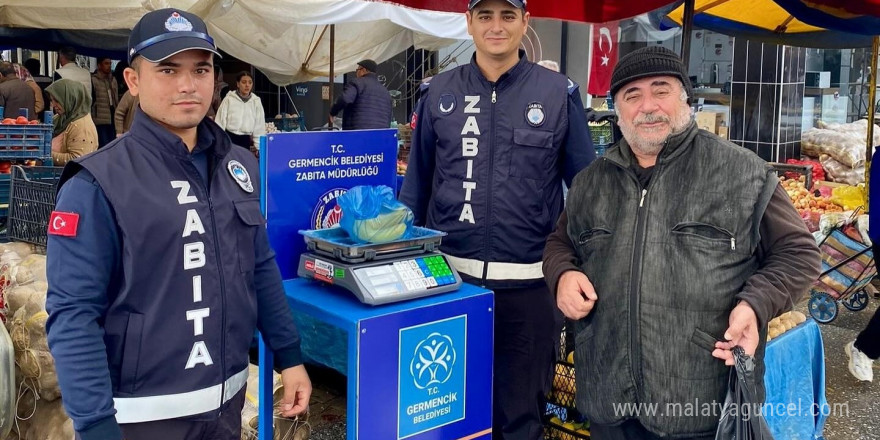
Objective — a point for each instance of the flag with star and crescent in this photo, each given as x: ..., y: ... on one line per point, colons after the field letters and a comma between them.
x: 605, y: 37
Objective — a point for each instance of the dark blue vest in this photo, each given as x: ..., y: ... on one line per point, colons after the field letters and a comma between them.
x: 182, y: 307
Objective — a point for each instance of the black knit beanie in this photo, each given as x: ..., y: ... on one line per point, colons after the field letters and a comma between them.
x: 649, y: 61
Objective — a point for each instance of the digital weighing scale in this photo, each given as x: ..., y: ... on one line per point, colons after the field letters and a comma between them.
x: 379, y: 273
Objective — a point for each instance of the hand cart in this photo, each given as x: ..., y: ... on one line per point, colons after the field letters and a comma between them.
x: 847, y: 268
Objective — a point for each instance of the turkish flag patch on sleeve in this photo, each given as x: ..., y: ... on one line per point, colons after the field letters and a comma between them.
x: 63, y: 223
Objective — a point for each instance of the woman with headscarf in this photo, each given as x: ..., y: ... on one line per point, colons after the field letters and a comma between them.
x: 25, y: 76
x: 75, y: 133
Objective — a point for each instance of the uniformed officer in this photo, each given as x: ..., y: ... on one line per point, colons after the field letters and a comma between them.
x: 493, y: 141
x: 159, y: 264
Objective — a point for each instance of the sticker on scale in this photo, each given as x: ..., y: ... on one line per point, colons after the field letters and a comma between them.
x: 323, y: 268
x: 310, y: 265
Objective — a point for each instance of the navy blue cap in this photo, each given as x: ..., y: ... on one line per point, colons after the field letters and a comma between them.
x: 521, y: 4
x: 166, y: 32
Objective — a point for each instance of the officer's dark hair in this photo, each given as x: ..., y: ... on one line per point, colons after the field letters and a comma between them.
x: 135, y: 63
x: 68, y: 52
x: 101, y: 59
x: 241, y: 75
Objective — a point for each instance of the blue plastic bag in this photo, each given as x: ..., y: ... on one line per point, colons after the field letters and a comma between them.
x: 371, y: 214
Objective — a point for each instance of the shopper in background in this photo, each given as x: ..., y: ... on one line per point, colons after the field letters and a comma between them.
x: 106, y: 97
x: 221, y: 88
x: 865, y: 349
x: 39, y: 103
x: 241, y: 114
x: 124, y: 114
x: 119, y: 76
x: 15, y: 94
x: 70, y: 70
x: 365, y: 102
x: 74, y: 134
x: 550, y: 64
x: 673, y: 249
x: 493, y: 141
x: 159, y: 265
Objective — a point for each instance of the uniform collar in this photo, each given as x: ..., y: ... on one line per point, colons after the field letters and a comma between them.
x: 506, y: 77
x: 209, y: 136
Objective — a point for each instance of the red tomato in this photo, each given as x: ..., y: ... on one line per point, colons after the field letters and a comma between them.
x: 7, y: 121
x: 21, y: 120
x: 34, y: 122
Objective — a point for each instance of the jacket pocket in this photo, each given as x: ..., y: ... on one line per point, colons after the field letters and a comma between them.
x: 532, y: 155
x: 705, y: 234
x: 592, y: 234
x: 251, y: 218
x: 704, y: 340
x: 131, y: 353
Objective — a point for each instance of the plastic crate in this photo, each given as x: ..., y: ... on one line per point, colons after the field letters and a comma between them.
x: 31, y: 201
x: 561, y: 420
x: 602, y: 133
x: 26, y: 141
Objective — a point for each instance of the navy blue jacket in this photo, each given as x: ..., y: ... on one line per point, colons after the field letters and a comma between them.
x: 366, y: 102
x: 487, y: 165
x: 153, y: 303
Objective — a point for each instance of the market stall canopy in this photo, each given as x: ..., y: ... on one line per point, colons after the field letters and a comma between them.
x: 791, y: 22
x: 286, y: 39
x: 588, y: 11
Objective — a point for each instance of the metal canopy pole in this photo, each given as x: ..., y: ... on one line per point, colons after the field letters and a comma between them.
x: 872, y: 96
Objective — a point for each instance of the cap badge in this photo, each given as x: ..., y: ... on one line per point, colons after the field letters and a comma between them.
x: 178, y: 23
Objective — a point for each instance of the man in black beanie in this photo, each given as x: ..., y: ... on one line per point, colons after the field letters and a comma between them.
x: 675, y: 248
x: 365, y: 102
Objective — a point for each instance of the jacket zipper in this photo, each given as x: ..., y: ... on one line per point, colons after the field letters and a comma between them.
x: 489, y: 189
x: 222, y: 288
x: 635, y: 281
x: 636, y: 274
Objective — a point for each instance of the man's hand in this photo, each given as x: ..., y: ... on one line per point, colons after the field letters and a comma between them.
x: 743, y: 331
x: 575, y: 295
x: 297, y: 391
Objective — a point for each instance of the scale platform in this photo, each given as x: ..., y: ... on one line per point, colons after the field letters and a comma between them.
x: 379, y: 273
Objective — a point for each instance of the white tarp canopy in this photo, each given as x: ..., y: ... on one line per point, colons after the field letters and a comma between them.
x: 71, y: 14
x: 285, y: 39
x: 288, y: 41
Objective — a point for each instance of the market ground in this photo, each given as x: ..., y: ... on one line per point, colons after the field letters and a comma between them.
x: 862, y: 399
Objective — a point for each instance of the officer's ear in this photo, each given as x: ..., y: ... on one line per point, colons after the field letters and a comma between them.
x: 131, y: 74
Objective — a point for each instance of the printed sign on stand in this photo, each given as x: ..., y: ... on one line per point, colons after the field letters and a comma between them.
x: 306, y: 171
x: 432, y: 375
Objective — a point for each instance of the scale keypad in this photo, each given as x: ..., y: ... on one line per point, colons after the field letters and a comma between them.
x: 407, y: 275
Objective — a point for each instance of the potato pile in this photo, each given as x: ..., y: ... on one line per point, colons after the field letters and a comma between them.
x: 805, y: 201
x: 784, y: 323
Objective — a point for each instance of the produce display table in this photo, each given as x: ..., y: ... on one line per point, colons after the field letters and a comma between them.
x: 796, y: 408
x: 419, y: 369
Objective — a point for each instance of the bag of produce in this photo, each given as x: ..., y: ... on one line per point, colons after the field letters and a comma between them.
x: 846, y: 147
x: 371, y: 214
x: 838, y: 172
x: 849, y: 197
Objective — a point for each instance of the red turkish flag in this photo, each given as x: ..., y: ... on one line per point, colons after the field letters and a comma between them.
x: 63, y: 223
x: 605, y: 37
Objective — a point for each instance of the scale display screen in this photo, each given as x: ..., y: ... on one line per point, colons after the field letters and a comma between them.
x: 385, y: 281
